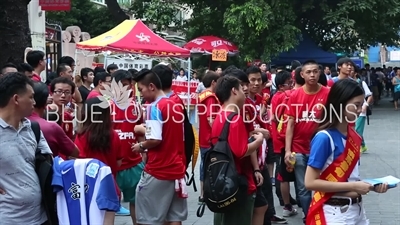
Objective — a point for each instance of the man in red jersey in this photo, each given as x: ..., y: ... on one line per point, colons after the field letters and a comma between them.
x: 37, y: 60
x: 58, y: 141
x: 230, y: 93
x: 268, y: 85
x: 305, y: 106
x: 165, y: 74
x: 252, y: 110
x: 99, y: 80
x: 208, y: 106
x: 124, y: 122
x: 283, y: 83
x: 162, y: 184
x: 62, y: 89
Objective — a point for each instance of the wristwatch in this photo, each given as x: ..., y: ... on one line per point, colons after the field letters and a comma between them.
x: 141, y: 146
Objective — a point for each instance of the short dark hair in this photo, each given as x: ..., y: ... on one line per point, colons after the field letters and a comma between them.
x: 112, y: 67
x: 264, y: 77
x: 101, y: 76
x: 24, y: 67
x: 281, y: 77
x: 209, y: 78
x: 11, y: 84
x: 98, y: 69
x: 85, y: 71
x: 165, y: 74
x: 294, y: 64
x: 8, y: 65
x: 224, y: 86
x: 147, y: 77
x: 133, y: 72
x: 62, y: 80
x: 297, y: 76
x: 62, y: 68
x: 34, y: 57
x: 66, y: 60
x: 253, y: 69
x: 228, y: 70
x: 344, y: 60
x: 310, y: 62
x: 121, y: 75
x: 41, y: 94
x: 239, y: 74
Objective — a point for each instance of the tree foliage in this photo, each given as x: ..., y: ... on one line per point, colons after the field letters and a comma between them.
x: 88, y: 16
x: 264, y: 28
x: 15, y: 35
x: 156, y: 12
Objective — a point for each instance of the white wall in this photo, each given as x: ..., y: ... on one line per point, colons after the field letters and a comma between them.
x: 37, y: 25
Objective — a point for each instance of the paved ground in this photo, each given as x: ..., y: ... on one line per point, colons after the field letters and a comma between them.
x: 383, y: 158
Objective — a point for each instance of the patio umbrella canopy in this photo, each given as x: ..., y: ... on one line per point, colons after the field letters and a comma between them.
x: 206, y: 44
x: 133, y: 36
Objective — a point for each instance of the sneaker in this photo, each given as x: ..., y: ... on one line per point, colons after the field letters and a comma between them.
x: 289, y: 212
x: 201, y: 200
x: 364, y: 149
x: 123, y: 212
x: 273, y: 181
x: 278, y: 220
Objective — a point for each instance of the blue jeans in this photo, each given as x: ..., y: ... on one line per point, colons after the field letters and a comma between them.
x: 202, y: 154
x: 304, y: 195
x: 360, y: 125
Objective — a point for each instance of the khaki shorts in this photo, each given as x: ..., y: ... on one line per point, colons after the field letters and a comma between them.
x: 157, y: 202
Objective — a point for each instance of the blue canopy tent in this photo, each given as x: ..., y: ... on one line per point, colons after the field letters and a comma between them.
x: 305, y: 50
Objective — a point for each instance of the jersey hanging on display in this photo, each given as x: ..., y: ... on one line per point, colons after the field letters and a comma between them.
x: 85, y: 190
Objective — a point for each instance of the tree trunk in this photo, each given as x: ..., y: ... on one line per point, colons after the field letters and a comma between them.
x: 116, y: 11
x: 14, y: 30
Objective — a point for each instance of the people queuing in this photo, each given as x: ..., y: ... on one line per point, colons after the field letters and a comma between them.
x: 282, y: 129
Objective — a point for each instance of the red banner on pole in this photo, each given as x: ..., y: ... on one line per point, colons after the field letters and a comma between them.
x: 181, y: 89
x: 55, y: 5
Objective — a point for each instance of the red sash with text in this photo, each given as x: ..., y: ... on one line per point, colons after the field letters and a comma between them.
x: 338, y: 171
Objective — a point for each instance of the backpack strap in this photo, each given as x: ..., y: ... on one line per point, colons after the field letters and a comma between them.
x: 36, y: 130
x: 225, y: 129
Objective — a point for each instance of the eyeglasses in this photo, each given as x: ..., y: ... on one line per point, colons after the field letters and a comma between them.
x: 60, y: 92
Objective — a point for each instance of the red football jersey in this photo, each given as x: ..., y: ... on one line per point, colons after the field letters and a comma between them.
x: 238, y: 140
x: 207, y: 108
x: 110, y: 158
x: 253, y: 109
x: 67, y: 124
x: 93, y: 94
x: 165, y: 122
x: 277, y: 109
x: 124, y: 122
x: 305, y: 109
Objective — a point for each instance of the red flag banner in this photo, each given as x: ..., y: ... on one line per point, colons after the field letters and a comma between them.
x: 55, y: 5
x: 181, y: 89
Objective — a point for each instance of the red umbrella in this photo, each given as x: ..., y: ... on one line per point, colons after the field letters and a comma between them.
x: 206, y: 44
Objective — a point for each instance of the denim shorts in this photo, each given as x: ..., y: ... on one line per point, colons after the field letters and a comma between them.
x: 202, y: 154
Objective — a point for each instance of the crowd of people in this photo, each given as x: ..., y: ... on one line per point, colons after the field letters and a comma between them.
x: 284, y: 126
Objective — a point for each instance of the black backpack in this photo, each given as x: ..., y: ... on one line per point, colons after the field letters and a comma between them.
x: 224, y: 188
x: 44, y: 170
x: 189, y: 148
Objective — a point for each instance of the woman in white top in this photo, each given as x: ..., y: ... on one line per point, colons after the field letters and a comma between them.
x: 182, y: 76
x: 337, y: 196
x: 360, y: 123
